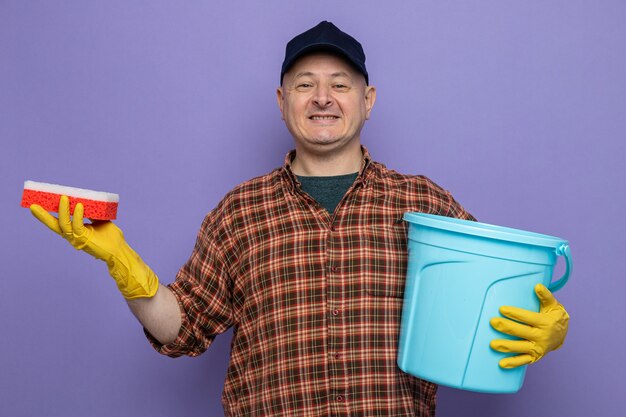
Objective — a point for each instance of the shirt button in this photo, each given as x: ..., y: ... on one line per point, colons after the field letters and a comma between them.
x: 337, y: 356
x: 334, y: 268
x: 335, y: 312
x: 339, y: 398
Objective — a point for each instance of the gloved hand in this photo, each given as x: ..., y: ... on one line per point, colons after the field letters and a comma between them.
x: 102, y: 240
x: 541, y: 332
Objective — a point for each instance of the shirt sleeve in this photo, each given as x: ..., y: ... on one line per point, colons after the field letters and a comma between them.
x: 456, y: 210
x: 441, y: 202
x: 203, y: 290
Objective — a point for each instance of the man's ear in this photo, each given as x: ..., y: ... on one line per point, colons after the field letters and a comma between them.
x: 370, y: 99
x: 280, y: 98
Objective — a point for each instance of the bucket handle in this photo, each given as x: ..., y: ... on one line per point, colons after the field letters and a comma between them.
x: 563, y: 250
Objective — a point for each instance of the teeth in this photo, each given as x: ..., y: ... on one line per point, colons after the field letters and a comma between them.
x: 323, y: 117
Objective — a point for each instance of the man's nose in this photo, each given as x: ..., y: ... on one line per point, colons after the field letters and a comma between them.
x: 323, y: 96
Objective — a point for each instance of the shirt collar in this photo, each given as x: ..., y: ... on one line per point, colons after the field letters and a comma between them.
x: 361, y: 178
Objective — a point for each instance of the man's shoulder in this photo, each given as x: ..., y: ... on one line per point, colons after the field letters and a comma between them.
x: 395, y: 179
x: 245, y: 198
x: 258, y: 185
x: 419, y: 192
x: 254, y: 191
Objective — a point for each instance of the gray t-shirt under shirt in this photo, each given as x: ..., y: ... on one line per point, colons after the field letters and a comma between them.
x: 327, y: 191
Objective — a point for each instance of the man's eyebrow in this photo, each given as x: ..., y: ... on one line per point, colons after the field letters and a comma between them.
x: 303, y: 74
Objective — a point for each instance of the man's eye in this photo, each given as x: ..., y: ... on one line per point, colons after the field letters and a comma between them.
x: 341, y: 86
x: 304, y: 85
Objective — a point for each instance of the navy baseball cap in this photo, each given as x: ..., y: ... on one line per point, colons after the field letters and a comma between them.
x: 325, y: 37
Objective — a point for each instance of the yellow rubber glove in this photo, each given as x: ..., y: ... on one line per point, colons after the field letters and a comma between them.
x: 541, y: 332
x: 103, y: 240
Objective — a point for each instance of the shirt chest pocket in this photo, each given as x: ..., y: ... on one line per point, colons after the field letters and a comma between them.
x: 384, y: 259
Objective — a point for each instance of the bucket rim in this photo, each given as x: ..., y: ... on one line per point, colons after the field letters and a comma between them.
x: 487, y: 230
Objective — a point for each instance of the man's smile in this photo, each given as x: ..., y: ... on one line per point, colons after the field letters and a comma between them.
x: 323, y: 117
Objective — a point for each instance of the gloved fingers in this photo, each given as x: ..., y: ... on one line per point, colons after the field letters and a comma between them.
x: 515, y: 361
x: 46, y: 218
x: 77, y: 220
x: 546, y: 298
x: 512, y: 346
x: 64, y: 216
x: 512, y: 328
x: 522, y: 315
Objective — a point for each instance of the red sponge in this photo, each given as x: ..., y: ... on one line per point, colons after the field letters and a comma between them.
x: 98, y: 205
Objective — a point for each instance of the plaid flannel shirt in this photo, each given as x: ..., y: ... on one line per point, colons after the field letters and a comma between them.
x: 315, y: 299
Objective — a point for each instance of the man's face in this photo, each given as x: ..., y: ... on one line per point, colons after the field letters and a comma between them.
x: 324, y: 102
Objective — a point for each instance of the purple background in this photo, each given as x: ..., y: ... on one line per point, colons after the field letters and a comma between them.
x: 518, y: 108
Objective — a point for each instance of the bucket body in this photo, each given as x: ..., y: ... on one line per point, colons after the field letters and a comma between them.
x: 459, y: 274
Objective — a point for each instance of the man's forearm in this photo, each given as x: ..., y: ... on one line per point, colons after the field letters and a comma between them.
x: 160, y: 314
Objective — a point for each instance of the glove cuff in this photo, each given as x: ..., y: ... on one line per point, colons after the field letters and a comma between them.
x: 133, y: 277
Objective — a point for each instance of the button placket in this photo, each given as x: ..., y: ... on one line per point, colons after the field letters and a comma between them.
x: 335, y: 294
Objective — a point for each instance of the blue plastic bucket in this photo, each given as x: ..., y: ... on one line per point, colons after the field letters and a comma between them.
x: 459, y: 274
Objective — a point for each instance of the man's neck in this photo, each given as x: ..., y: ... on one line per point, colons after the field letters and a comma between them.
x: 339, y: 162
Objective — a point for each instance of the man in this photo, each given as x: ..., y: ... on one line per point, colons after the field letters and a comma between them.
x: 307, y: 263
